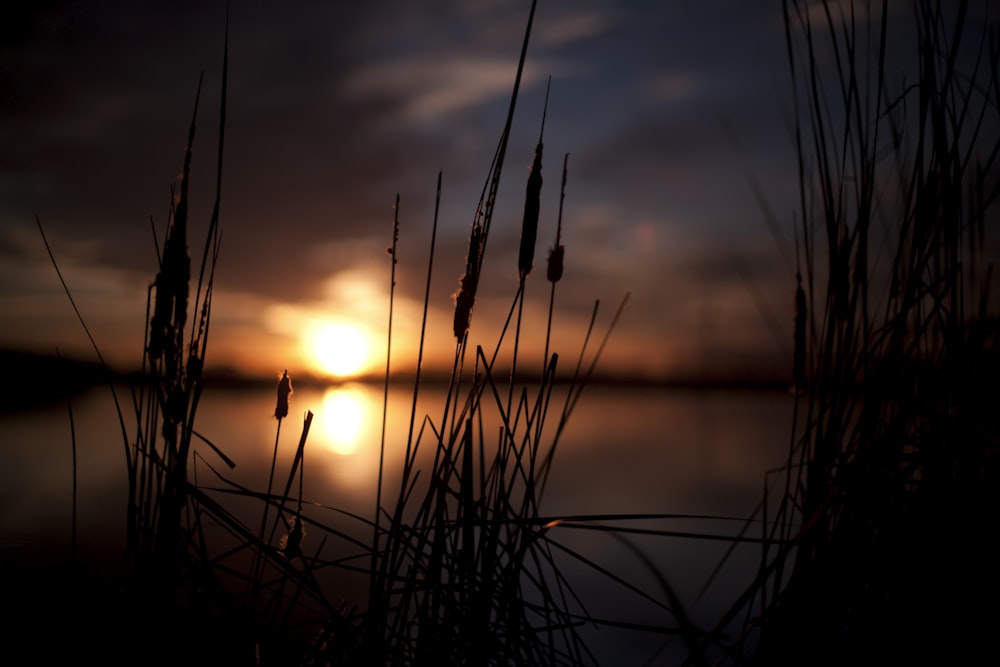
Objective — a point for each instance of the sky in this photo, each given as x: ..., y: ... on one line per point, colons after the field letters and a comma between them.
x: 681, y: 189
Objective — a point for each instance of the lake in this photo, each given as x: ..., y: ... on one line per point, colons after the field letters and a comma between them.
x: 624, y: 451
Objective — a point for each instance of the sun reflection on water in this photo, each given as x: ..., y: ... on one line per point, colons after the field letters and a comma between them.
x: 345, y: 414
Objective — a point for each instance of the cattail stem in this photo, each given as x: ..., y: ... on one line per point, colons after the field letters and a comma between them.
x: 799, y: 363
x: 423, y: 324
x: 284, y: 390
x: 554, y: 270
x: 529, y: 235
x: 72, y: 440
x: 296, y: 465
x: 466, y: 296
x: 376, y: 537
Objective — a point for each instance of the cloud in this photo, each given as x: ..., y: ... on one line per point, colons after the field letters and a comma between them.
x: 574, y: 27
x: 36, y: 314
x: 672, y: 86
x: 440, y: 86
x: 336, y: 107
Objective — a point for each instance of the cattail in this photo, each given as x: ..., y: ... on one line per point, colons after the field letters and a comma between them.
x: 290, y: 544
x: 529, y: 226
x: 391, y: 250
x: 166, y: 327
x: 555, y: 267
x: 465, y: 297
x: 170, y: 308
x: 284, y: 391
x: 799, y: 368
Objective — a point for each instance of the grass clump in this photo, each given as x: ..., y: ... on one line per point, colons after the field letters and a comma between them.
x: 459, y: 562
x: 881, y: 527
x: 872, y: 535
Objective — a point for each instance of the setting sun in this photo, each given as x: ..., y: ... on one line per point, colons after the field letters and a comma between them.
x: 340, y: 349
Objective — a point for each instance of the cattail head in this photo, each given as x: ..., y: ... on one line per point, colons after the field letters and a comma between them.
x: 529, y: 226
x: 291, y: 544
x: 284, y: 391
x: 465, y: 297
x: 555, y: 267
x: 556, y: 253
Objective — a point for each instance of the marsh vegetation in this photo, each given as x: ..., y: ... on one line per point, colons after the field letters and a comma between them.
x: 873, y: 536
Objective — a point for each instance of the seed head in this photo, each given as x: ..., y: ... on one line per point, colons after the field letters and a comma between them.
x: 529, y: 226
x: 166, y: 327
x: 555, y: 267
x: 465, y: 297
x: 290, y: 544
x: 284, y: 391
x: 556, y: 253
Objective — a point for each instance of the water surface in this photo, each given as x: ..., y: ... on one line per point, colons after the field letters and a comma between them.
x: 623, y: 451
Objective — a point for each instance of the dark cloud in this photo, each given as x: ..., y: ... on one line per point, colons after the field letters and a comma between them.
x: 675, y: 116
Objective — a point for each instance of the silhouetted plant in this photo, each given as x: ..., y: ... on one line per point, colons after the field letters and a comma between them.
x: 880, y: 538
x: 893, y: 454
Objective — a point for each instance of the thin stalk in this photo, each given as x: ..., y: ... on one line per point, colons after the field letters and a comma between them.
x: 72, y: 439
x: 129, y: 462
x: 555, y: 267
x: 296, y: 465
x: 575, y: 390
x: 385, y: 406
x: 423, y: 320
x: 529, y: 234
x: 257, y: 563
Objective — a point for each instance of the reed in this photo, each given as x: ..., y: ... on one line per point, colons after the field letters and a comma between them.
x: 892, y: 455
x: 461, y: 567
x: 879, y: 526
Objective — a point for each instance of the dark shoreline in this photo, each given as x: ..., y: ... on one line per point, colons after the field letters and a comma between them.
x: 41, y: 380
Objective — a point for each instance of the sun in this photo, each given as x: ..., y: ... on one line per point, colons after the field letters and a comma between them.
x: 340, y: 349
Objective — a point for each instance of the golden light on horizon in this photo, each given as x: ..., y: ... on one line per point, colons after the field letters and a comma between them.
x: 339, y: 349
